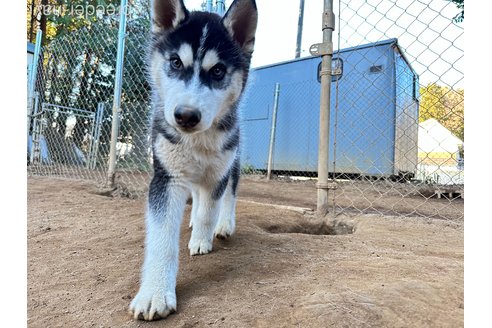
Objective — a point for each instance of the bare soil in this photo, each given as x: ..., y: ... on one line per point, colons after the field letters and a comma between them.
x: 281, y: 268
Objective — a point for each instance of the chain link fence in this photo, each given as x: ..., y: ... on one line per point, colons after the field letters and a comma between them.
x: 427, y: 104
x: 70, y: 129
x: 396, y: 120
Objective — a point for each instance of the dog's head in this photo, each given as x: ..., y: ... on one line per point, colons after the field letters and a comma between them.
x: 199, y: 62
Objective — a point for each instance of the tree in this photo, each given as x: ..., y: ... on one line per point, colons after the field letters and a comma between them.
x: 444, y: 104
x: 37, y: 19
x: 78, y: 70
x: 58, y: 17
x: 460, y: 4
x: 455, y: 104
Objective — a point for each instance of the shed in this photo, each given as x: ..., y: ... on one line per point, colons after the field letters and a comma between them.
x: 375, y: 115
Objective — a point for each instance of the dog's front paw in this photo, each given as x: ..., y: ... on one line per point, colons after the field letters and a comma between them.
x: 152, y: 305
x: 199, y: 246
x: 224, y: 229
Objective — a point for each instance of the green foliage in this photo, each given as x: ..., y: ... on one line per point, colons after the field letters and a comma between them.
x: 79, y: 71
x: 460, y: 4
x: 247, y: 169
x: 66, y: 16
x: 444, y: 104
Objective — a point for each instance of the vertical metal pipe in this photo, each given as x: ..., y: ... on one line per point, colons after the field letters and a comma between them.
x: 210, y: 6
x: 272, y: 130
x: 299, y: 28
x: 97, y: 134
x: 324, y: 109
x: 91, y: 140
x: 115, y: 123
x: 220, y: 7
x: 32, y: 79
x: 35, y: 142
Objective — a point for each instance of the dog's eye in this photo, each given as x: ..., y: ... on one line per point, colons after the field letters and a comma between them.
x: 218, y: 72
x: 176, y: 63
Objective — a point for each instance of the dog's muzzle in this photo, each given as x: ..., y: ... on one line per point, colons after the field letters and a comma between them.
x: 187, y: 117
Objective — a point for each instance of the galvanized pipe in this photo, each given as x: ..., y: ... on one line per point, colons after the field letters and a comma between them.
x: 299, y: 28
x: 91, y: 143
x: 210, y: 6
x: 32, y: 79
x: 96, y: 135
x: 324, y: 109
x: 272, y: 130
x: 115, y: 123
x: 220, y: 7
x: 35, y: 146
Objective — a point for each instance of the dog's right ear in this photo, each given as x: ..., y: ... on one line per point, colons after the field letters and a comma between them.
x: 167, y: 14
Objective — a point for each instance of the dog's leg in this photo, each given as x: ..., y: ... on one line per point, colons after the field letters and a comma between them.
x: 194, y: 206
x: 227, y: 218
x: 204, y: 222
x: 156, y: 297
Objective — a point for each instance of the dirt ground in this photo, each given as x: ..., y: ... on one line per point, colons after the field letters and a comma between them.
x: 281, y: 268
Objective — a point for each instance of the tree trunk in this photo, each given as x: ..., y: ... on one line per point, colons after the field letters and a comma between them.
x: 43, y: 21
x: 31, y: 23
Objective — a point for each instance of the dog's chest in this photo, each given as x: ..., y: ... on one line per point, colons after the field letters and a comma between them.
x: 193, y: 161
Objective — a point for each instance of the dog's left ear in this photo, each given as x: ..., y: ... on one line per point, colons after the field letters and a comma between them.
x: 241, y: 20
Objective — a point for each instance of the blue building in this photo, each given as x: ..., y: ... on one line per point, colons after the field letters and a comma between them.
x: 373, y: 120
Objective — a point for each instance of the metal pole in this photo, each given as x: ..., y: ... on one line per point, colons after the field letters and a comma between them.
x: 324, y: 49
x: 97, y: 134
x: 272, y: 130
x: 210, y: 6
x: 115, y: 123
x: 35, y: 147
x: 91, y: 143
x: 32, y: 79
x: 220, y: 7
x: 299, y: 29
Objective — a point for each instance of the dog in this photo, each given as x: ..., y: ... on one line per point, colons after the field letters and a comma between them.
x: 198, y: 67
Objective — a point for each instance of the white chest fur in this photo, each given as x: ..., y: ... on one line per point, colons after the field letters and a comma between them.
x: 197, y: 159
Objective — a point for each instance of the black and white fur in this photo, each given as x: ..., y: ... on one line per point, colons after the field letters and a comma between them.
x: 198, y: 69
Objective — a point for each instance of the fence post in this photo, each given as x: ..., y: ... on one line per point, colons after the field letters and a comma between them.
x: 115, y: 122
x: 325, y: 50
x: 96, y: 135
x: 272, y: 130
x: 32, y: 79
x: 220, y: 7
x: 210, y: 6
x: 299, y: 29
x: 35, y: 141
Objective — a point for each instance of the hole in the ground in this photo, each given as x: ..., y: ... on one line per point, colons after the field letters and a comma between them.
x: 312, y: 228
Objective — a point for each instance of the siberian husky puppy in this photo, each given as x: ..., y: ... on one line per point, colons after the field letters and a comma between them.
x: 198, y: 67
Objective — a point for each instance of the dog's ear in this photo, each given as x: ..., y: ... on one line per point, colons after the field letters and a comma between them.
x: 241, y: 20
x: 167, y: 14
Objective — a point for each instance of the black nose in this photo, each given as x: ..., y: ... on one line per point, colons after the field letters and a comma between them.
x: 187, y: 117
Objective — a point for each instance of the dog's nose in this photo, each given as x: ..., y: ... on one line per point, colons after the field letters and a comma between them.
x: 187, y: 117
